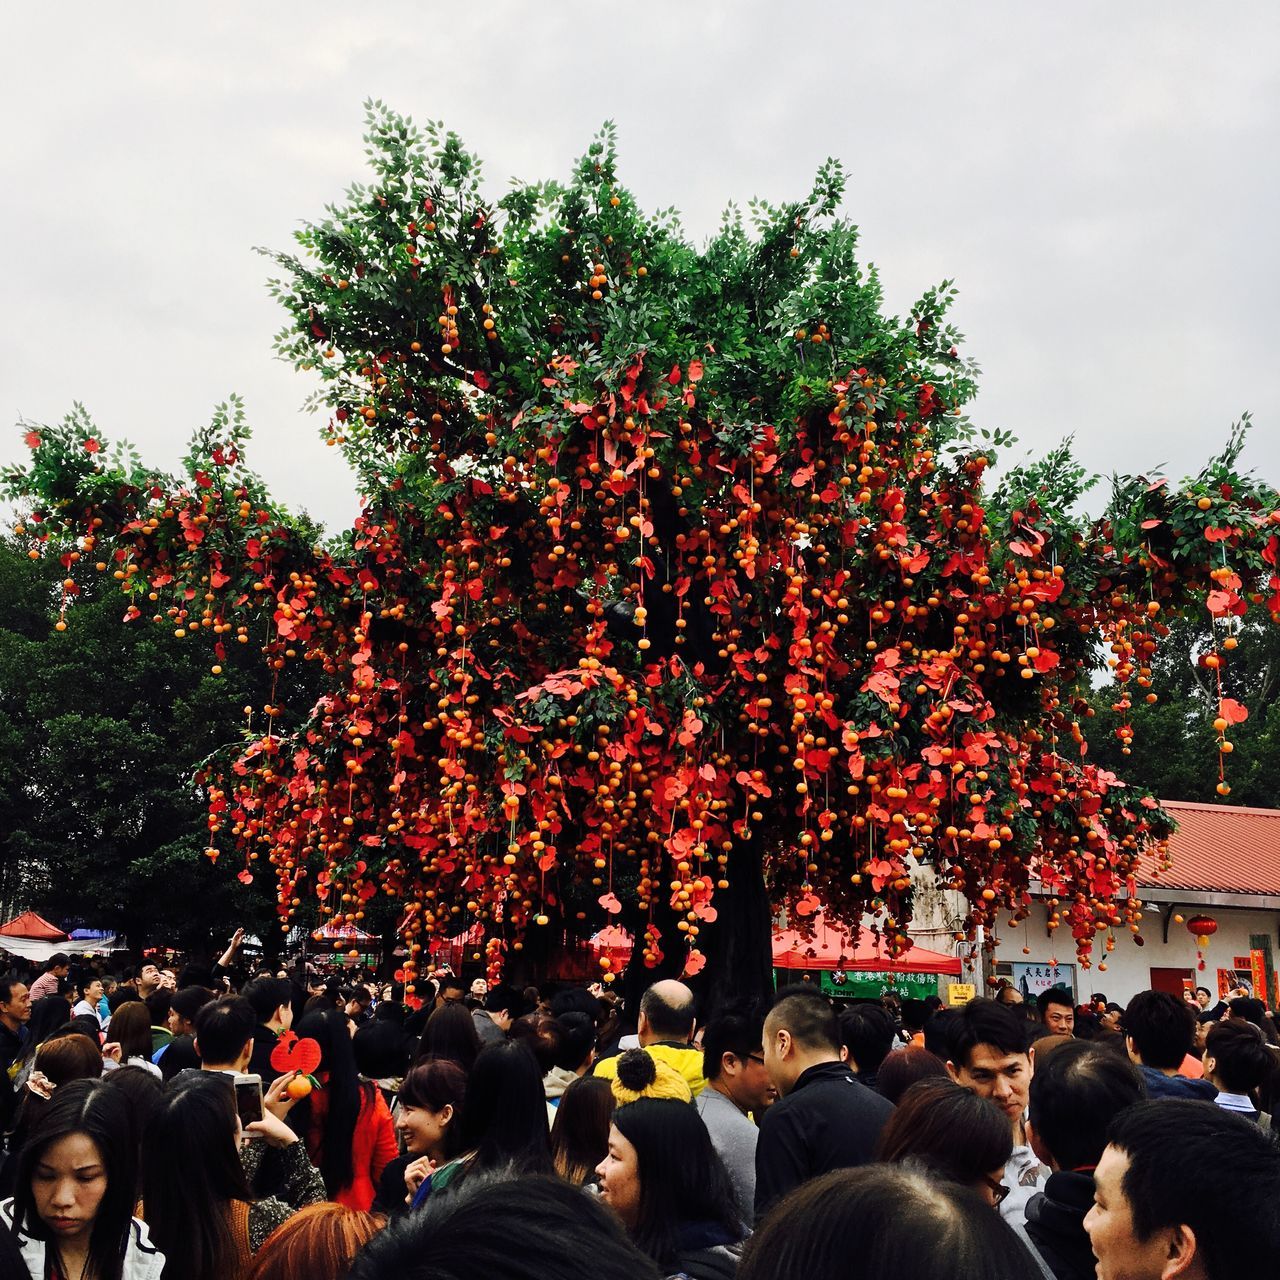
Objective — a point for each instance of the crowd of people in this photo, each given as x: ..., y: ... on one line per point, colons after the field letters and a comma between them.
x: 150, y: 1133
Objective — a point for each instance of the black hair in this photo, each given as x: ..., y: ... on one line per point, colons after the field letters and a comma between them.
x: 7, y: 985
x: 672, y: 1020
x: 1205, y: 990
x: 900, y: 1070
x: 937, y: 1032
x: 1242, y: 1060
x: 158, y: 1003
x: 914, y: 1012
x: 189, y: 1001
x: 580, y: 1131
x: 1162, y: 1027
x: 223, y: 1028
x: 450, y: 1033
x: 808, y: 1015
x: 266, y: 995
x: 740, y: 1034
x: 48, y: 1015
x: 1194, y: 1164
x: 343, y: 1093
x: 949, y: 1130
x: 503, y: 997
x: 1076, y: 1091
x: 56, y: 961
x: 381, y: 1049
x: 450, y: 982
x: 576, y: 1000
x: 102, y: 1114
x: 84, y: 979
x: 195, y: 975
x: 985, y: 1022
x: 905, y: 1225
x: 504, y: 1112
x: 1055, y: 995
x: 519, y: 1229
x: 144, y: 1093
x: 121, y: 996
x: 577, y: 1039
x: 191, y: 1171
x: 682, y: 1179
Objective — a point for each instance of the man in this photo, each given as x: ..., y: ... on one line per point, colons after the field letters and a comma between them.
x: 1076, y: 1092
x: 224, y: 1034
x: 1008, y: 993
x: 825, y: 1119
x: 737, y: 1088
x: 146, y: 982
x: 1237, y: 1060
x: 1057, y: 1011
x: 1159, y: 1030
x: 272, y: 1001
x: 502, y: 1006
x: 48, y: 983
x: 989, y: 1055
x: 15, y: 1012
x: 664, y: 1030
x: 358, y: 1004
x: 1187, y: 1190
x: 866, y: 1031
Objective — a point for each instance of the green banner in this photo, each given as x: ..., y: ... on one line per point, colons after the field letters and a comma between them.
x: 862, y: 984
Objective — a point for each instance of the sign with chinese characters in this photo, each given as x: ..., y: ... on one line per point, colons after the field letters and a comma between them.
x: 858, y: 984
x: 1033, y: 978
x: 959, y: 993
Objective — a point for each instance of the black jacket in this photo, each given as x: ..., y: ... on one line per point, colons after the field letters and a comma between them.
x: 828, y: 1121
x: 1055, y: 1223
x: 264, y: 1043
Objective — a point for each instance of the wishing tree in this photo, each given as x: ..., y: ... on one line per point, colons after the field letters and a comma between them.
x: 676, y: 593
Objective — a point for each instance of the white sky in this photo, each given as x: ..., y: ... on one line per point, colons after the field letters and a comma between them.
x: 1101, y: 180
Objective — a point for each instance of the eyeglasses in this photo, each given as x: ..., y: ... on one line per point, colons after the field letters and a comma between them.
x: 999, y: 1192
x: 756, y: 1057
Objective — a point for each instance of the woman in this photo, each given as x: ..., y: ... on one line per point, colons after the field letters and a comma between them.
x: 72, y: 1215
x: 663, y: 1178
x: 88, y: 993
x: 430, y: 1101
x: 318, y: 1242
x: 580, y: 1134
x: 347, y: 1123
x: 450, y: 1033
x: 882, y: 1222
x: 196, y: 1193
x: 503, y: 1123
x: 954, y: 1134
x: 130, y: 1043
x: 901, y: 1069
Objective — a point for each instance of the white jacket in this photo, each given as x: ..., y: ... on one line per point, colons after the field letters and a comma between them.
x: 142, y: 1260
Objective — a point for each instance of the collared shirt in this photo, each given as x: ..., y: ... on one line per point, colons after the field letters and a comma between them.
x: 1236, y: 1102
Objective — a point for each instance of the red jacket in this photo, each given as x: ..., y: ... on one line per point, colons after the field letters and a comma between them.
x: 373, y: 1144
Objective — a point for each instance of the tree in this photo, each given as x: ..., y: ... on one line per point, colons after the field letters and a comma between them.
x: 676, y: 593
x: 102, y: 728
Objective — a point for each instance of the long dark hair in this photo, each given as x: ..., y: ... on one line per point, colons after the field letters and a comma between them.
x: 504, y: 1112
x: 343, y: 1089
x: 682, y: 1179
x: 191, y: 1171
x: 450, y: 1033
x: 580, y: 1134
x: 102, y: 1115
x: 952, y: 1131
x: 434, y: 1085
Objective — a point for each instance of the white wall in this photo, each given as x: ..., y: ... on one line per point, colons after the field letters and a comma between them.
x: 1129, y: 966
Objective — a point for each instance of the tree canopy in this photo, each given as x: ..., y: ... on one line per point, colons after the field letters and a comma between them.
x: 677, y: 591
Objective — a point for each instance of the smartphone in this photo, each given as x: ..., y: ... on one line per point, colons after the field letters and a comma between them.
x: 248, y: 1099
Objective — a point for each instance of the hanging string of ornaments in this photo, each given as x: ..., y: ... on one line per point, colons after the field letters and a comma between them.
x: 674, y: 566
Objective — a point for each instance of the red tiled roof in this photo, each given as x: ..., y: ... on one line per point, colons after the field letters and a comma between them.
x: 1218, y: 849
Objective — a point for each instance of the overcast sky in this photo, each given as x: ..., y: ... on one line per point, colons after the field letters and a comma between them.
x: 1100, y: 180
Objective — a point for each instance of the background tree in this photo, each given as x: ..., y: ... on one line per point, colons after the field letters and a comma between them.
x: 103, y: 727
x: 676, y: 593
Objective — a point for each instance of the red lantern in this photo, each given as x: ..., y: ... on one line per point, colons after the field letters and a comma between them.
x: 1203, y: 927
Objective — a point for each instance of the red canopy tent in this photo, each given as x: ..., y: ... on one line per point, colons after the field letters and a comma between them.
x: 832, y: 947
x: 30, y: 925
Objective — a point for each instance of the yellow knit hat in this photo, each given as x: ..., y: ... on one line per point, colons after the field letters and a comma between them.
x: 641, y: 1075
